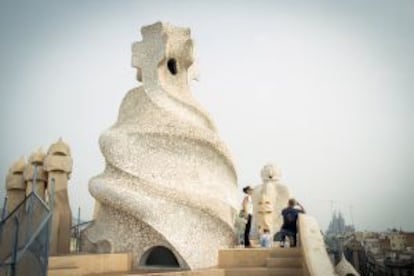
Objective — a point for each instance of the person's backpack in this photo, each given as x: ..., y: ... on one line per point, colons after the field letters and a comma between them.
x: 277, y: 236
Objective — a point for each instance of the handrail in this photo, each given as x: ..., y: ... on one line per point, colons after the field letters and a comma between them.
x: 81, y: 224
x: 315, y: 256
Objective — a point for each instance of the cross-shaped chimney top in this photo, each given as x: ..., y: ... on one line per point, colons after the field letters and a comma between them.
x: 164, y: 47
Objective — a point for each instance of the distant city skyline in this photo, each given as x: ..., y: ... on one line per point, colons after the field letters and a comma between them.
x: 322, y: 89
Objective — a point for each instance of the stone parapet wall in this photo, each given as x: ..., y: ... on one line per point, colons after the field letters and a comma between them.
x: 314, y: 252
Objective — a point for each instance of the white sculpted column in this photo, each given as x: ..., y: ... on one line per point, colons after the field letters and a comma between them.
x: 269, y: 199
x: 15, y: 185
x: 58, y: 164
x: 34, y: 169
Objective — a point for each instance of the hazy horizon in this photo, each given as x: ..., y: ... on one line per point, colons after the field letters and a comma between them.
x: 323, y: 89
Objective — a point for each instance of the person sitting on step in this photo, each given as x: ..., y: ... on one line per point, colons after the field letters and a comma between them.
x: 266, y: 239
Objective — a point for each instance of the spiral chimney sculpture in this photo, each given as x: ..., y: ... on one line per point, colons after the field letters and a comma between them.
x: 169, y: 180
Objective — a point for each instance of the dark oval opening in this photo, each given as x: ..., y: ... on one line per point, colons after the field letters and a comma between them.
x: 172, y: 66
x: 161, y: 256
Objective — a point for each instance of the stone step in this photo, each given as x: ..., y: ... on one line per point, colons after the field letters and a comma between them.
x: 286, y: 252
x: 156, y: 270
x: 253, y: 257
x: 285, y: 272
x: 64, y: 271
x: 247, y: 271
x: 200, y: 272
x: 289, y: 262
x: 91, y: 264
x: 262, y: 271
x: 243, y: 257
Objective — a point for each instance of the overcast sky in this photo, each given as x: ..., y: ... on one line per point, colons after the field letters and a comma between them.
x: 324, y: 89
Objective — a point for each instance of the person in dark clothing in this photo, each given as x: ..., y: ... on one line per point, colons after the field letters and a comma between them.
x: 248, y: 212
x: 290, y: 217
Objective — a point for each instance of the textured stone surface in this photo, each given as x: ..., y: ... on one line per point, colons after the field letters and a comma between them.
x: 344, y: 268
x: 15, y: 184
x: 58, y: 165
x: 313, y: 247
x: 59, y: 148
x: 269, y: 199
x: 169, y: 180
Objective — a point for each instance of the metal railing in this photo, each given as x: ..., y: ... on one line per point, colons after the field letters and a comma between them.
x: 24, y: 237
x: 76, y: 234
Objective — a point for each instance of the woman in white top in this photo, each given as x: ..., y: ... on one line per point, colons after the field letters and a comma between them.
x: 248, y: 212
